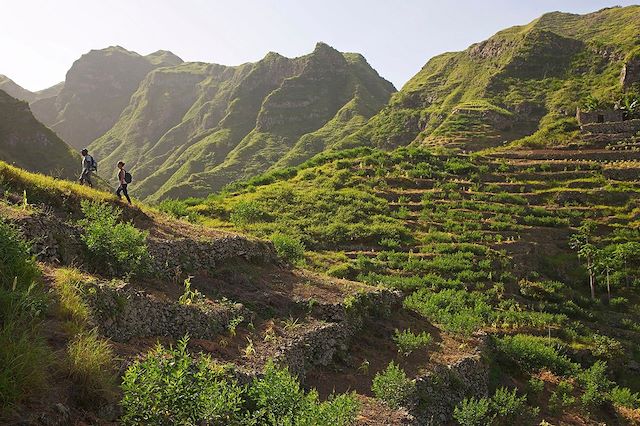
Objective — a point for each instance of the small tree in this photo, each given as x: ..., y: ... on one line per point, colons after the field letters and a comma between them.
x: 587, y: 251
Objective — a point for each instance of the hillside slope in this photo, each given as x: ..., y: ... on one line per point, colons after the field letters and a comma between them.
x: 521, y: 80
x: 27, y: 143
x: 229, y: 296
x: 96, y: 90
x: 192, y: 128
x: 475, y: 243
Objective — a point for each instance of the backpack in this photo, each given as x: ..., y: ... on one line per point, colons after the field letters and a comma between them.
x: 94, y: 164
x: 127, y: 177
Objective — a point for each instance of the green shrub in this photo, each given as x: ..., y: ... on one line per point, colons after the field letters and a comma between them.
x: 289, y: 248
x: 532, y: 353
x: 505, y: 407
x: 169, y: 387
x: 624, y: 397
x: 247, y: 212
x: 456, y: 310
x: 606, y: 347
x: 562, y: 397
x: 535, y: 387
x: 595, y: 385
x: 510, y: 409
x: 117, y: 246
x: 541, y: 290
x: 17, y: 264
x: 408, y: 342
x: 473, y: 412
x: 279, y: 400
x: 178, y: 209
x: 392, y: 386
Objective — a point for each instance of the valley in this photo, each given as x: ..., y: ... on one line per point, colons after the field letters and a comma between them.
x: 309, y: 246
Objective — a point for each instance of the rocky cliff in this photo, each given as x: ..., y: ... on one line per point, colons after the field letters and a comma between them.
x: 96, y: 90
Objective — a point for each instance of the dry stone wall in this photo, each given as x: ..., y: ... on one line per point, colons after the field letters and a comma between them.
x: 121, y: 312
x: 58, y: 241
x: 438, y: 392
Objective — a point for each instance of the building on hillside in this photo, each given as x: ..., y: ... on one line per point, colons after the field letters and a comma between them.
x: 599, y: 116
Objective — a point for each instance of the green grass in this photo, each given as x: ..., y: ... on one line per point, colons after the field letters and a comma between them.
x: 24, y: 355
x: 90, y: 365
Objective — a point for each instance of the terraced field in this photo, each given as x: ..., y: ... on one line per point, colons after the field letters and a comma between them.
x: 476, y: 244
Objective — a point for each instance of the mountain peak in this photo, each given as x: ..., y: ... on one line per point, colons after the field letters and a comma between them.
x: 164, y: 57
x: 15, y: 90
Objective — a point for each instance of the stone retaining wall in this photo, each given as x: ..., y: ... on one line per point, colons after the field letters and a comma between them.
x: 629, y: 126
x: 438, y: 392
x: 121, y: 312
x: 56, y: 241
x: 319, y: 344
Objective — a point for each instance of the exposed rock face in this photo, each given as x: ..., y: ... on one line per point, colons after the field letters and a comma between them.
x: 630, y: 72
x: 28, y: 144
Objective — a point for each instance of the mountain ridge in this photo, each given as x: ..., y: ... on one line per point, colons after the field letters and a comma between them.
x: 523, y: 81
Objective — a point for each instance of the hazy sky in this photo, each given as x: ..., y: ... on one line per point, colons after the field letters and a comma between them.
x: 40, y: 39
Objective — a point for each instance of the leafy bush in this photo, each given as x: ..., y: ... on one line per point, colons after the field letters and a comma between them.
x: 532, y: 353
x: 246, y: 212
x: 624, y: 397
x: 289, y: 248
x: 408, y: 342
x: 510, y: 409
x: 392, y: 385
x: 505, y: 407
x: 595, y: 385
x: 606, y: 347
x: 118, y: 246
x: 456, y: 310
x: 17, y: 264
x: 169, y: 387
x: 279, y: 399
x: 541, y: 290
x: 178, y: 209
x: 562, y: 397
x: 91, y: 367
x: 473, y: 412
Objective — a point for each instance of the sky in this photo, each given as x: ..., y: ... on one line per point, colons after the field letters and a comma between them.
x: 40, y: 39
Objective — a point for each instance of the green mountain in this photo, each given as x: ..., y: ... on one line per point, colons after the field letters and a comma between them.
x: 96, y: 90
x: 192, y: 128
x: 524, y: 80
x: 27, y: 143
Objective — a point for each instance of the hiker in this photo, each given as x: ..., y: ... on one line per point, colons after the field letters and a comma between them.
x: 124, y: 177
x: 89, y: 166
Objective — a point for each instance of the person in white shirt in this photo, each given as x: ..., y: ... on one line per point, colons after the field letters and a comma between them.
x: 88, y: 166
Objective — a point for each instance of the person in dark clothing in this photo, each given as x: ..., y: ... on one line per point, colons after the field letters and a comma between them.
x: 88, y: 167
x: 122, y: 179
